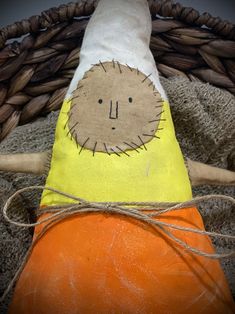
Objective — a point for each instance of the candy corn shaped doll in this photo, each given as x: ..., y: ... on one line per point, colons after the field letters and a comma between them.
x: 115, y: 142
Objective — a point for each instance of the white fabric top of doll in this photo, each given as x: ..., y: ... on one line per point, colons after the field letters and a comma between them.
x: 119, y: 30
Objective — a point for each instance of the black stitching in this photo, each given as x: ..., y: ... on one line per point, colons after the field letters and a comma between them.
x: 72, y: 128
x: 160, y: 113
x: 136, y: 145
x: 142, y: 142
x: 83, y: 145
x: 146, y: 77
x: 76, y: 139
x: 131, y: 147
x: 72, y: 134
x: 75, y: 97
x: 119, y: 66
x: 115, y: 152
x: 150, y: 135
x: 103, y: 66
x: 123, y: 151
x: 66, y: 124
x: 129, y: 68
x: 157, y: 120
x: 106, y: 149
x: 117, y: 109
x: 94, y: 149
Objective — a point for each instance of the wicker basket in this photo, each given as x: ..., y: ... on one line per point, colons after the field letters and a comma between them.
x: 35, y: 73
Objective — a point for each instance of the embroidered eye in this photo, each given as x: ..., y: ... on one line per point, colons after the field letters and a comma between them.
x: 130, y: 99
x: 100, y: 101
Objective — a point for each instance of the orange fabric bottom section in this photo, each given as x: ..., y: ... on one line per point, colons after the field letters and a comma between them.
x: 100, y: 263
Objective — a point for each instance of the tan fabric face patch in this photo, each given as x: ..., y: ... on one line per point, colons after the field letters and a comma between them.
x: 114, y: 109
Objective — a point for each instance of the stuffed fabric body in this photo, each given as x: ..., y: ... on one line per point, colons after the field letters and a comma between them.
x: 155, y: 173
x: 102, y: 263
x: 158, y: 174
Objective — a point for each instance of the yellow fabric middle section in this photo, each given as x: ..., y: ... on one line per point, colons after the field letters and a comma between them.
x: 158, y: 174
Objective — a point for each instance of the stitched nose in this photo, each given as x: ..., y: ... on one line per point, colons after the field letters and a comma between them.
x: 113, y: 111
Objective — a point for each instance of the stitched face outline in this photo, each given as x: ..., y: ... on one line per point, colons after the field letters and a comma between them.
x: 114, y: 109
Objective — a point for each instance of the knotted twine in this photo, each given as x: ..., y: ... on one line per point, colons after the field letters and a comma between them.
x: 136, y: 210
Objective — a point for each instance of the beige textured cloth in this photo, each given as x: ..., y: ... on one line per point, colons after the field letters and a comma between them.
x: 204, y: 119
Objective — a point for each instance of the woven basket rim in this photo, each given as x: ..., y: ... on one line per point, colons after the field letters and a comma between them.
x: 66, y: 12
x: 35, y: 72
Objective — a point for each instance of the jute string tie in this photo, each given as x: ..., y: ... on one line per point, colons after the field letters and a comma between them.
x: 146, y: 212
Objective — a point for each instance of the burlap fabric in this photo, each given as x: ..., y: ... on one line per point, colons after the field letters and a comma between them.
x: 204, y: 119
x: 126, y: 102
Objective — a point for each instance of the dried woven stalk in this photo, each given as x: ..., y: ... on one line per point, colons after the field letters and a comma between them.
x: 213, y: 77
x: 3, y: 93
x: 11, y: 66
x: 169, y: 71
x: 32, y: 109
x: 213, y: 61
x: 230, y: 68
x: 35, y: 73
x: 64, y: 13
x: 5, y: 111
x: 44, y: 37
x: 10, y: 124
x: 19, y: 99
x: 56, y: 100
x: 49, y: 68
x: 21, y: 79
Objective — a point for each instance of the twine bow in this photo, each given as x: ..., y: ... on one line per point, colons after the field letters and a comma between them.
x: 134, y: 210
